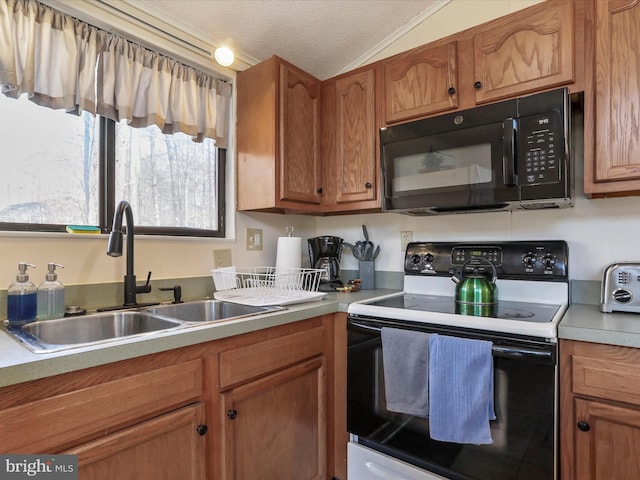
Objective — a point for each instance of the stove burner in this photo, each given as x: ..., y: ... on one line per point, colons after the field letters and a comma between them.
x: 517, y: 314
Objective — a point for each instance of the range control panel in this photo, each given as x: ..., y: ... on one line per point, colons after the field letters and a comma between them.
x: 519, y: 260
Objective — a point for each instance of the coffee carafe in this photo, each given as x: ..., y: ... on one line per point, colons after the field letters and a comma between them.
x: 325, y: 253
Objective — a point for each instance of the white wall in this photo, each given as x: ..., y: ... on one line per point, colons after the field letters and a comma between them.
x: 86, y: 261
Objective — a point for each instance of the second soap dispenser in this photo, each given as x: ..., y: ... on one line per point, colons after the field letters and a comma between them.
x: 51, y: 295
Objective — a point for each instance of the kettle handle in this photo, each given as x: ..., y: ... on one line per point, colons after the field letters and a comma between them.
x: 493, y: 267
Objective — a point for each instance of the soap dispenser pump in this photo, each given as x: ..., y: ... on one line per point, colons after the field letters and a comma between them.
x: 22, y: 298
x: 51, y: 295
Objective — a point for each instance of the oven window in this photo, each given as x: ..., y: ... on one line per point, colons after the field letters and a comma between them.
x: 523, y: 433
x: 448, y: 167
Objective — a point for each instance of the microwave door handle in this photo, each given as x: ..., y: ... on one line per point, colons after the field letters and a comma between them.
x: 509, y: 152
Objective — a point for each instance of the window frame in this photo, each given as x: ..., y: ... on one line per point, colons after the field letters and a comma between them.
x: 107, y: 200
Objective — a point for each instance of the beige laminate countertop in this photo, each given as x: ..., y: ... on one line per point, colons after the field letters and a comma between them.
x: 18, y: 364
x: 587, y: 323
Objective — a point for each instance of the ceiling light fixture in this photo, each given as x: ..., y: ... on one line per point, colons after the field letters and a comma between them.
x: 224, y: 53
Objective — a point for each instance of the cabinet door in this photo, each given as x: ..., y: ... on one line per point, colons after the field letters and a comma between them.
x: 527, y: 52
x: 420, y: 82
x: 617, y: 91
x: 299, y: 136
x: 356, y: 173
x: 607, y: 439
x: 168, y: 447
x: 274, y: 428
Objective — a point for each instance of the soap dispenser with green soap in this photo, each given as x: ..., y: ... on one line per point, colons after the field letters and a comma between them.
x: 22, y: 298
x: 51, y: 295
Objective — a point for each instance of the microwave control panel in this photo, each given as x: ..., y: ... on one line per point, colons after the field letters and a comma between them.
x: 542, y: 149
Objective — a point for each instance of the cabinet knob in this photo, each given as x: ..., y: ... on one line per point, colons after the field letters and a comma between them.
x: 319, y: 190
x: 451, y: 91
x: 232, y: 414
x: 584, y: 426
x: 367, y: 185
x: 477, y: 85
x: 202, y: 430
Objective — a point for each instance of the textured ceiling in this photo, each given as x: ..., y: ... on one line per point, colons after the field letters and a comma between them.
x: 323, y: 37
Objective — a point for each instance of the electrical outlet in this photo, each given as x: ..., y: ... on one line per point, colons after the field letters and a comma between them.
x: 254, y: 239
x: 405, y: 239
x: 222, y: 258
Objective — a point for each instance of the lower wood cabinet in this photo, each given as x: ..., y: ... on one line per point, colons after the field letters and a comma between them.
x: 171, y: 446
x: 600, y: 411
x: 275, y: 427
x: 266, y: 405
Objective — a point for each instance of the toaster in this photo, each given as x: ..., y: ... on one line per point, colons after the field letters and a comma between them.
x: 621, y: 288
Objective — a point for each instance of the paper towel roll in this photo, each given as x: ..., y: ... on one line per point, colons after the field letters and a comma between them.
x: 289, y: 253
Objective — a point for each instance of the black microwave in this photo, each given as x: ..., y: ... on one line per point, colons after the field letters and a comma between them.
x: 508, y: 155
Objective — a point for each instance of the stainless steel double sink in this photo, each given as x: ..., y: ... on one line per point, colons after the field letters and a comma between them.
x: 74, y: 332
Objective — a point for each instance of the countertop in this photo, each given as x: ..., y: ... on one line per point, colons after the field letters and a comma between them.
x: 587, y: 323
x: 18, y: 364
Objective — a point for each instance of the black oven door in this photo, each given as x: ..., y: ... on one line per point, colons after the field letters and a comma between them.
x: 524, y: 432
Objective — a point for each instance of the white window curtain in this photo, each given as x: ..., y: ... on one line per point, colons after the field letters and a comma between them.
x: 61, y: 62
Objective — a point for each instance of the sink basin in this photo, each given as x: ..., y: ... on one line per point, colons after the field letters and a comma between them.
x: 54, y: 335
x: 209, y: 311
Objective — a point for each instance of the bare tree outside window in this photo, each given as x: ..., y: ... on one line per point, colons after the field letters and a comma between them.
x: 49, y: 167
x: 169, y: 179
x: 50, y: 173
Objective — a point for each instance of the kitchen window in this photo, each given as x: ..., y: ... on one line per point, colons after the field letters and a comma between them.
x: 141, y: 127
x: 56, y: 173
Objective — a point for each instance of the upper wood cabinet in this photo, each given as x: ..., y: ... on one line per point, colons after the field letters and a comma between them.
x: 524, y: 52
x: 420, y: 82
x: 612, y: 148
x: 278, y: 138
x: 527, y: 51
x: 349, y: 143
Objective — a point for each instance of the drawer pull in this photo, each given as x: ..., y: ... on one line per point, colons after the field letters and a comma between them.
x: 232, y: 414
x: 202, y: 430
x: 584, y: 426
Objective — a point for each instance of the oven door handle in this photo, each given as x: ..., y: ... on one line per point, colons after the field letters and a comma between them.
x: 515, y: 352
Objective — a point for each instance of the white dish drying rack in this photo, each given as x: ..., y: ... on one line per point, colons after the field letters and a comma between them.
x: 266, y: 286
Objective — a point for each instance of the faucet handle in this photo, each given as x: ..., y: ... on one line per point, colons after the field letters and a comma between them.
x: 146, y: 288
x: 177, y: 293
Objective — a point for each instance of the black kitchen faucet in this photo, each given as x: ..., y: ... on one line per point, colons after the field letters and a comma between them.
x: 114, y: 249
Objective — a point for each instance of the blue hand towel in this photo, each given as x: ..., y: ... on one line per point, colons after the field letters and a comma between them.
x: 460, y: 390
x: 405, y: 359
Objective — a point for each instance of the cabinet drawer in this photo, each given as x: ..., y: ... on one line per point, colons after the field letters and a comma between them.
x: 44, y: 425
x: 244, y: 363
x: 605, y: 371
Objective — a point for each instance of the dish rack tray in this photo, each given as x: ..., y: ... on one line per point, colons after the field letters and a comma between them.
x: 263, y: 286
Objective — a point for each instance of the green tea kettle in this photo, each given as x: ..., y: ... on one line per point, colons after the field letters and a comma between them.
x: 475, y: 288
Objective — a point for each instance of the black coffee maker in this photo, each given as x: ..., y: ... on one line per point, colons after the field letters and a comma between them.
x: 325, y: 253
